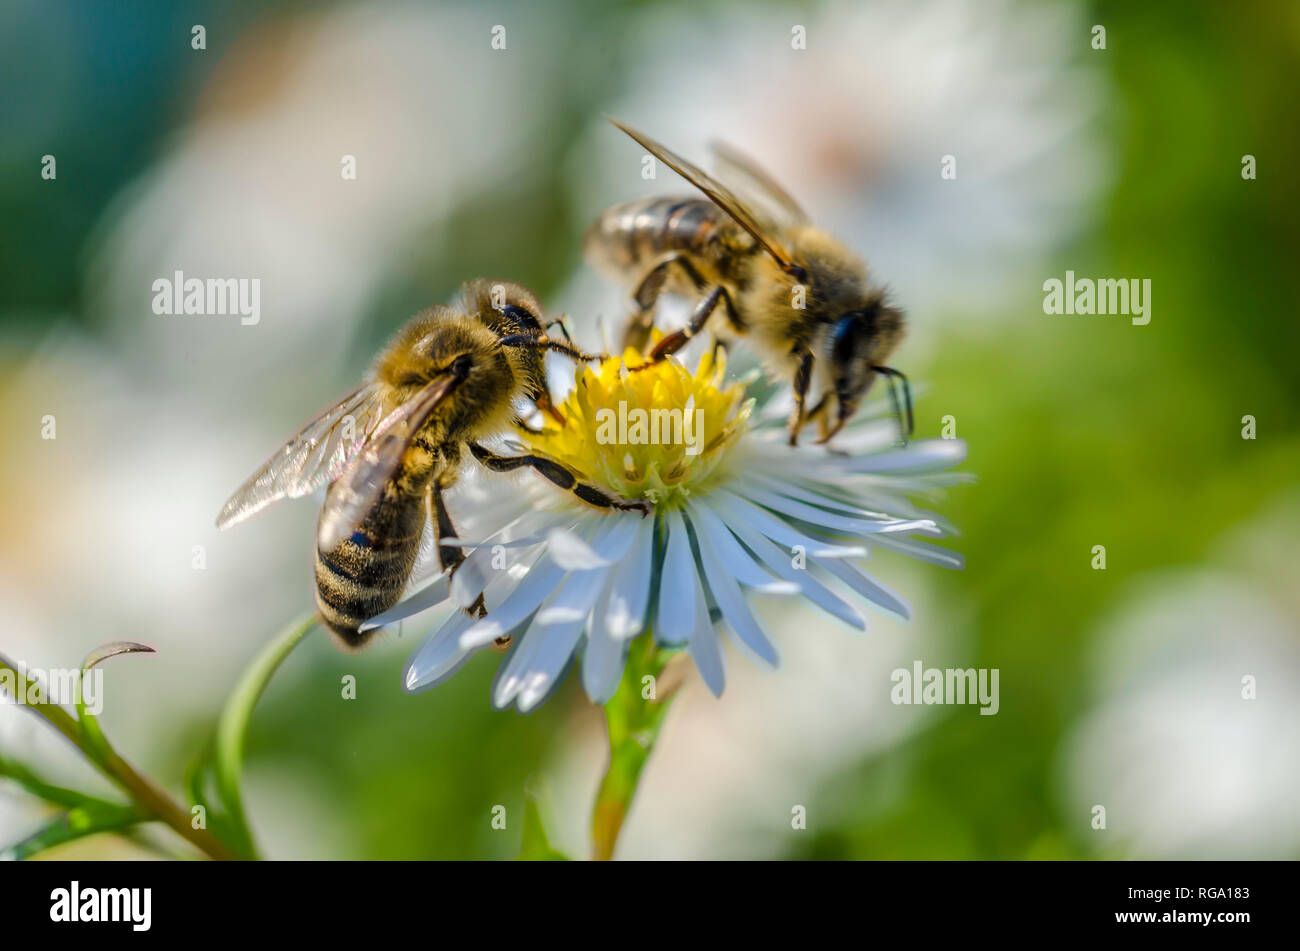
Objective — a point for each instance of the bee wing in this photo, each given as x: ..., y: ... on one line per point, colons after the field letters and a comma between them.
x: 718, y: 193
x: 740, y: 167
x: 363, y: 481
x: 313, y: 457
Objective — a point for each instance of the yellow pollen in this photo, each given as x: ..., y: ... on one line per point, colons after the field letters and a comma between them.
x: 659, y: 432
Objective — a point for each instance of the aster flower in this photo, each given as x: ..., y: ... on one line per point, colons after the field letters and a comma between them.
x: 737, y: 513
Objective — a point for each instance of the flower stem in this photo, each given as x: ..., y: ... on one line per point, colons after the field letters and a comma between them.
x: 633, y: 718
x: 233, y: 725
x: 140, y: 788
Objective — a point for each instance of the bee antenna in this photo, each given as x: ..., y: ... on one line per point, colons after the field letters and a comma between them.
x: 536, y: 342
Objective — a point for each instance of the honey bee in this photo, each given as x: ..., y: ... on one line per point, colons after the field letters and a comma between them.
x: 390, y: 449
x: 800, y: 297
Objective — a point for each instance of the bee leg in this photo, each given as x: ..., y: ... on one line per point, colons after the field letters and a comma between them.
x: 450, y: 556
x: 703, y: 311
x: 519, y: 421
x: 820, y: 414
x: 563, y: 323
x: 906, y: 423
x: 802, y: 378
x: 636, y: 333
x: 562, y: 477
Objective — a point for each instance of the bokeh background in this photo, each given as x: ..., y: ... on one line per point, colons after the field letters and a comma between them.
x: 1120, y: 687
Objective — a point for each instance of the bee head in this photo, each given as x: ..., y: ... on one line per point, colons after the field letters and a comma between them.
x: 515, y: 315
x: 857, y: 347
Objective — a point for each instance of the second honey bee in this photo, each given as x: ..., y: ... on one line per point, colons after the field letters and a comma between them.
x: 389, y: 449
x: 798, y: 296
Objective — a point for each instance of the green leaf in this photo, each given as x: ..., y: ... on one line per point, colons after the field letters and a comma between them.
x: 535, y: 846
x: 43, y: 789
x: 76, y: 823
x: 232, y: 728
x: 91, y: 731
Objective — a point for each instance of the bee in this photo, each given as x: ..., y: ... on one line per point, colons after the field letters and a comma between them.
x: 391, y: 448
x: 797, y: 295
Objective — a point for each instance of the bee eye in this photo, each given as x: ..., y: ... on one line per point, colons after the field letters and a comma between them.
x: 844, y: 337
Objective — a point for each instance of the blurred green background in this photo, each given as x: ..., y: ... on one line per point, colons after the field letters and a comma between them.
x: 1118, y: 686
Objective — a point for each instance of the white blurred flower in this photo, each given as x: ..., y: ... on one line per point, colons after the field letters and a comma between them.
x: 747, y: 514
x: 253, y: 187
x: 1185, y: 765
x: 856, y: 127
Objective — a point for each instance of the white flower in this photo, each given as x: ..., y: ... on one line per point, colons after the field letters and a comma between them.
x: 747, y: 515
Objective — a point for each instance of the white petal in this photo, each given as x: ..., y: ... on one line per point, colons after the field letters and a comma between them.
x: 739, y: 511
x: 613, y: 544
x: 422, y: 600
x: 921, y: 550
x: 510, y: 675
x: 476, y: 571
x: 534, y: 667
x: 573, y: 600
x: 605, y: 657
x: 549, y: 662
x: 630, y: 585
x: 778, y: 561
x: 868, y: 587
x: 731, y: 603
x: 678, y: 588
x: 704, y: 646
x: 439, y: 656
x: 571, y: 548
x: 796, y: 487
x: 819, y: 516
x: 830, y: 497
x: 922, y: 454
x: 541, y: 579
x: 738, y: 561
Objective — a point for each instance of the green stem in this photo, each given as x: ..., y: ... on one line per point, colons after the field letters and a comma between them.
x: 141, y: 789
x: 633, y: 721
x: 232, y: 728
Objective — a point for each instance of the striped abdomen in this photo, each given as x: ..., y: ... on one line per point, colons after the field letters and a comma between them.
x: 627, y: 239
x: 366, y: 574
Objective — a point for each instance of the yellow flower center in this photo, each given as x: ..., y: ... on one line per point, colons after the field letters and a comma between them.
x: 647, y: 430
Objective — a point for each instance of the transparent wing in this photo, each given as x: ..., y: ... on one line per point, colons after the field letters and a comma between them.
x: 315, y: 456
x: 718, y: 193
x: 362, y: 482
x: 739, y: 167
